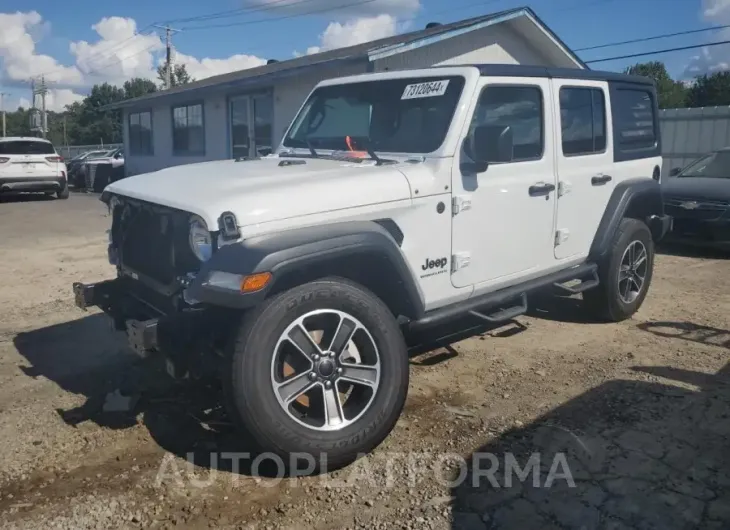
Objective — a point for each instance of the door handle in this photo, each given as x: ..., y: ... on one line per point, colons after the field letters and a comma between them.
x: 600, y: 179
x: 541, y: 188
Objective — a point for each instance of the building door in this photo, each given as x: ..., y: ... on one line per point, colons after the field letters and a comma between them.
x: 251, y: 125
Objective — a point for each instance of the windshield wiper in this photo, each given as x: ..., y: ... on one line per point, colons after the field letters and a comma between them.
x: 312, y: 150
x: 372, y: 154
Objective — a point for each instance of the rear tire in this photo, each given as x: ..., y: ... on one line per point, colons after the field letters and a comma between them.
x: 319, y: 421
x: 63, y: 192
x: 625, y: 274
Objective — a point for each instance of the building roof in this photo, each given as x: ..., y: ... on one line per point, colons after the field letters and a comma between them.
x: 370, y: 51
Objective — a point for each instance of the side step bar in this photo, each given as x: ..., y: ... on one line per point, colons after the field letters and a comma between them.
x: 584, y: 285
x: 505, y: 314
x: 479, y: 305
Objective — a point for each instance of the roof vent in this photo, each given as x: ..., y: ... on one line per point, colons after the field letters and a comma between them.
x: 272, y: 61
x: 433, y: 25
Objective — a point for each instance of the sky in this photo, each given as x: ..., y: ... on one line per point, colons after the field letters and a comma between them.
x: 78, y: 43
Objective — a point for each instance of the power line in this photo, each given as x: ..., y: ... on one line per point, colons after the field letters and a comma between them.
x: 655, y: 37
x: 655, y: 52
x: 284, y: 17
x: 276, y: 4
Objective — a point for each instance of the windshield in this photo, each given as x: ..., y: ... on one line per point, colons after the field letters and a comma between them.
x: 716, y: 165
x: 410, y: 115
x: 26, y: 147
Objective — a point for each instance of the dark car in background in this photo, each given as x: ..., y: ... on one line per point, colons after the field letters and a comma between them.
x: 698, y: 199
x: 75, y: 165
x: 99, y: 171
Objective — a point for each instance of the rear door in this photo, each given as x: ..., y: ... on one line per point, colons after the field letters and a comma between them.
x: 28, y: 158
x: 584, y: 163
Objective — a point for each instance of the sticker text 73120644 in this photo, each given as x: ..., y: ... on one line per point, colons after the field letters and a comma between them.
x: 425, y: 90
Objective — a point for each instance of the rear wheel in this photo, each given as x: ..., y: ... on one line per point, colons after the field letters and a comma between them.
x: 320, y: 369
x: 625, y: 274
x: 63, y: 192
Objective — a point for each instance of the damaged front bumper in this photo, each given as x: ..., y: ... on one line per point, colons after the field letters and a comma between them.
x: 154, y: 323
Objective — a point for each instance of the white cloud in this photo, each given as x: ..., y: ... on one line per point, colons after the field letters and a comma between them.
x: 710, y: 60
x: 355, y: 31
x: 207, y: 67
x: 58, y: 98
x: 119, y: 54
x: 18, y: 54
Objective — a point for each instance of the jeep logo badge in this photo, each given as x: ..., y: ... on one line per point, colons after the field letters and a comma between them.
x: 434, y: 264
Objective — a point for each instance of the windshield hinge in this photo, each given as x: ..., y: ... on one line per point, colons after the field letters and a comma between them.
x: 460, y: 203
x: 460, y: 260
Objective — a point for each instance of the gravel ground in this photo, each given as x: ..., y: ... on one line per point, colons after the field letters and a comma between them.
x: 551, y: 422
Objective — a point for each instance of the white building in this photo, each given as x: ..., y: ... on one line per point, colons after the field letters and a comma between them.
x: 247, y: 112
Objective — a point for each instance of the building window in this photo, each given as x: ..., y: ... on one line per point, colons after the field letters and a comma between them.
x: 188, y: 130
x: 634, y: 118
x: 140, y: 133
x: 583, y: 121
x: 517, y: 109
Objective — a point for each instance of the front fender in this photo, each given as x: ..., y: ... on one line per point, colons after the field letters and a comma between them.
x: 361, y: 250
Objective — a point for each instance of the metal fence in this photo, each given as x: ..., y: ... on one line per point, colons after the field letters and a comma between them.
x: 690, y: 133
x: 71, y: 151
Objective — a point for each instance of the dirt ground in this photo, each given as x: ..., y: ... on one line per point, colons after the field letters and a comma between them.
x: 612, y: 426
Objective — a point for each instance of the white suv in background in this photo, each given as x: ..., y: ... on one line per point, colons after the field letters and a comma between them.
x: 31, y: 164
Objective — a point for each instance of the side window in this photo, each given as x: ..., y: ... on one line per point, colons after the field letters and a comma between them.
x: 140, y: 133
x: 509, y: 116
x: 634, y: 119
x: 582, y: 121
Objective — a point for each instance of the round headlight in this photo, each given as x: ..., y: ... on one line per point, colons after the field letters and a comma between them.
x: 201, y: 242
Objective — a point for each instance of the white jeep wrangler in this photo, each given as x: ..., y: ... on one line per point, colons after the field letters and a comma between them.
x: 396, y: 201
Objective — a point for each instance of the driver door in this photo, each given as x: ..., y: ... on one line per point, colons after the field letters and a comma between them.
x: 503, y: 222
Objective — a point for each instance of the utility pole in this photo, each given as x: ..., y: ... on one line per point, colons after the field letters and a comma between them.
x: 168, y: 57
x: 2, y: 110
x: 39, y: 118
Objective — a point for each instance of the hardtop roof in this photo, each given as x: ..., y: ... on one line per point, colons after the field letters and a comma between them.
x: 518, y: 70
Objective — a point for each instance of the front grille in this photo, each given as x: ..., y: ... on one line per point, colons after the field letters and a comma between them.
x: 153, y: 241
x: 703, y: 210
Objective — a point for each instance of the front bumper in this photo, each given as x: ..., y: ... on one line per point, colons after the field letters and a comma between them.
x: 156, y: 323
x: 35, y: 183
x: 702, y: 233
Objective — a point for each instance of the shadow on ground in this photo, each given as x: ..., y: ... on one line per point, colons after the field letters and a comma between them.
x: 693, y: 251
x: 644, y: 455
x: 85, y: 357
x: 26, y: 197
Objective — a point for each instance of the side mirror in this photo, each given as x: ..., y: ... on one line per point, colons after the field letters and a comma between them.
x: 488, y: 144
x: 675, y: 171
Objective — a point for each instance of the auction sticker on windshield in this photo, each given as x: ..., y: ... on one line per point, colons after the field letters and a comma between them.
x: 425, y: 90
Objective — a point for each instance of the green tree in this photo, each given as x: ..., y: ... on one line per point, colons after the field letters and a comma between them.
x: 18, y: 123
x: 137, y: 87
x: 710, y: 90
x: 180, y: 75
x: 671, y: 94
x: 96, y: 125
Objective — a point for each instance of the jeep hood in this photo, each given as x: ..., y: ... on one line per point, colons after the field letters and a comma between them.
x: 258, y: 191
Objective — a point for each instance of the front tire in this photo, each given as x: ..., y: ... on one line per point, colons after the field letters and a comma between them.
x: 321, y: 369
x: 625, y: 274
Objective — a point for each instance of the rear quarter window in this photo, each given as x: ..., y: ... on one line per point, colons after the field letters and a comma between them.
x: 26, y: 147
x: 636, y: 122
